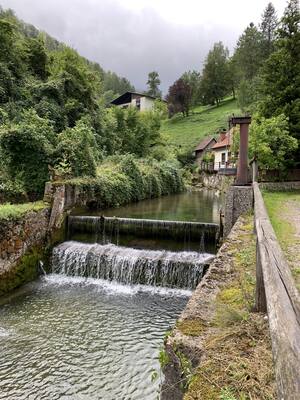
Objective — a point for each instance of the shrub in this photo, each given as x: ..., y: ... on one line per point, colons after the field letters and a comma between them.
x: 77, y: 147
x: 28, y: 147
x: 130, y: 180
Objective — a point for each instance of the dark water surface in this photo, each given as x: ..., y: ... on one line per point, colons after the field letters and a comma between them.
x: 70, y: 338
x: 200, y: 206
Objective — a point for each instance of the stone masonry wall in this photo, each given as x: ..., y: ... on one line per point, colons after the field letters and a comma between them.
x: 214, y: 181
x: 22, y: 242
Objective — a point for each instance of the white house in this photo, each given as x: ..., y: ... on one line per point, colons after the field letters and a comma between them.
x: 221, y: 150
x: 142, y: 102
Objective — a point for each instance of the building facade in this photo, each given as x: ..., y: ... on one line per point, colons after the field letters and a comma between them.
x: 140, y: 101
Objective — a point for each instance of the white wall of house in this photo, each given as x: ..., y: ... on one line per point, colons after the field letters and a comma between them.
x: 221, y: 157
x: 147, y: 104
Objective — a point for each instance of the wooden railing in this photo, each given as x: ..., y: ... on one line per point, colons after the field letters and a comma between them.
x: 277, y: 294
x: 206, y: 166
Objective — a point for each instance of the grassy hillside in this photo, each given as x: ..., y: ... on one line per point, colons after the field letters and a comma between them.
x: 203, y: 121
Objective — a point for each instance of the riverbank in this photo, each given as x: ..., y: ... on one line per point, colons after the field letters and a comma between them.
x: 219, y: 346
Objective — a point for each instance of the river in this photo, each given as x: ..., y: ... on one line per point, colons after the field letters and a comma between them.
x: 70, y: 337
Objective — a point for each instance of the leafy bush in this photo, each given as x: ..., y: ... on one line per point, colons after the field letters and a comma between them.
x: 78, y: 149
x: 271, y: 142
x: 28, y: 146
x: 130, y: 180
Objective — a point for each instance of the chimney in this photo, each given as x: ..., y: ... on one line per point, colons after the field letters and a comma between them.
x: 222, y: 135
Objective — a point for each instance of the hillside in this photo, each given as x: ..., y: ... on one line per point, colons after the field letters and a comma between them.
x: 188, y: 131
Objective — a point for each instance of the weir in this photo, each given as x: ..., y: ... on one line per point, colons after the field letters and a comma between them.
x: 130, y: 266
x: 175, y: 230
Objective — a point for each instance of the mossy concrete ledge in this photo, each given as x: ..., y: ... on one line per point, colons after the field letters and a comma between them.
x: 220, y: 348
x: 23, y: 243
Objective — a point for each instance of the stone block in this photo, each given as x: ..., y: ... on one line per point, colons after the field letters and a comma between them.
x: 239, y: 200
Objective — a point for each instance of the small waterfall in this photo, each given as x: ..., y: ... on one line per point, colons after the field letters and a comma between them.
x: 130, y: 266
x: 110, y: 227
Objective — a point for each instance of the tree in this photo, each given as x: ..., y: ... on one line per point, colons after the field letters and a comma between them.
x: 268, y: 28
x: 193, y: 78
x: 249, y: 53
x: 215, y: 77
x: 271, y: 143
x: 280, y: 78
x: 153, y: 82
x: 179, y: 98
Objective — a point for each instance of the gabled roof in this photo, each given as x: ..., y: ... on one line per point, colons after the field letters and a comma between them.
x: 204, y: 143
x: 224, y: 143
x: 126, y: 97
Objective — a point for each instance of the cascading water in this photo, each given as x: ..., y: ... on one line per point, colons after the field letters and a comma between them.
x: 130, y: 266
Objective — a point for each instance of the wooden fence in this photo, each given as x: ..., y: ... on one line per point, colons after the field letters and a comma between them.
x: 277, y: 294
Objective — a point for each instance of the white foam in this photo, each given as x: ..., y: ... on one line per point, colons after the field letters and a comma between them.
x: 113, y: 287
x: 4, y: 332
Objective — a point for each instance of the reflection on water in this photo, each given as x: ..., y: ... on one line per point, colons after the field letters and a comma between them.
x: 72, y: 338
x: 202, y: 206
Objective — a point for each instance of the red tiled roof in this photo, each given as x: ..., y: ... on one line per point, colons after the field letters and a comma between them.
x: 224, y: 143
x: 204, y: 143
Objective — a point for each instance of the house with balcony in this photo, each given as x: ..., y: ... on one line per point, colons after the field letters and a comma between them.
x: 143, y: 102
x: 203, y: 147
x: 223, y: 157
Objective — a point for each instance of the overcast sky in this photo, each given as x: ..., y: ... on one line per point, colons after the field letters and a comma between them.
x: 133, y: 37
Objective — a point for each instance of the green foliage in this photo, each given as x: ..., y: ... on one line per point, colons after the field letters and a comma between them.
x: 248, y: 94
x: 123, y: 179
x: 268, y: 27
x: 227, y: 394
x: 280, y: 86
x: 163, y: 358
x: 271, y: 143
x: 77, y: 148
x: 137, y: 131
x: 249, y: 53
x: 153, y: 83
x: 15, y: 211
x: 214, y: 83
x: 28, y: 146
x: 193, y: 78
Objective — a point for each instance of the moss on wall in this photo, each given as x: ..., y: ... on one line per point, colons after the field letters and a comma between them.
x: 25, y: 270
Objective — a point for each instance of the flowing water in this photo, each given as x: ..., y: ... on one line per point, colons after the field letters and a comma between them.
x: 130, y: 266
x: 201, y: 206
x: 93, y: 328
x: 74, y: 338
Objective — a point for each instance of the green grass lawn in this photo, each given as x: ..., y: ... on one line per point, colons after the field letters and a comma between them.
x: 14, y: 211
x: 284, y: 212
x: 203, y: 121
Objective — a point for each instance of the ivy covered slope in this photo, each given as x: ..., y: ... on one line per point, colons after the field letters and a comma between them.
x: 54, y: 121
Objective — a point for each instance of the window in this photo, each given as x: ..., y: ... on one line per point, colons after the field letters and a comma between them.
x: 223, y: 158
x: 138, y: 103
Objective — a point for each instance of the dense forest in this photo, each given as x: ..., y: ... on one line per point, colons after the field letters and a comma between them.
x: 263, y: 73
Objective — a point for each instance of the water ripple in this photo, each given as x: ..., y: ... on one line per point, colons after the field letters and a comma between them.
x: 76, y: 338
